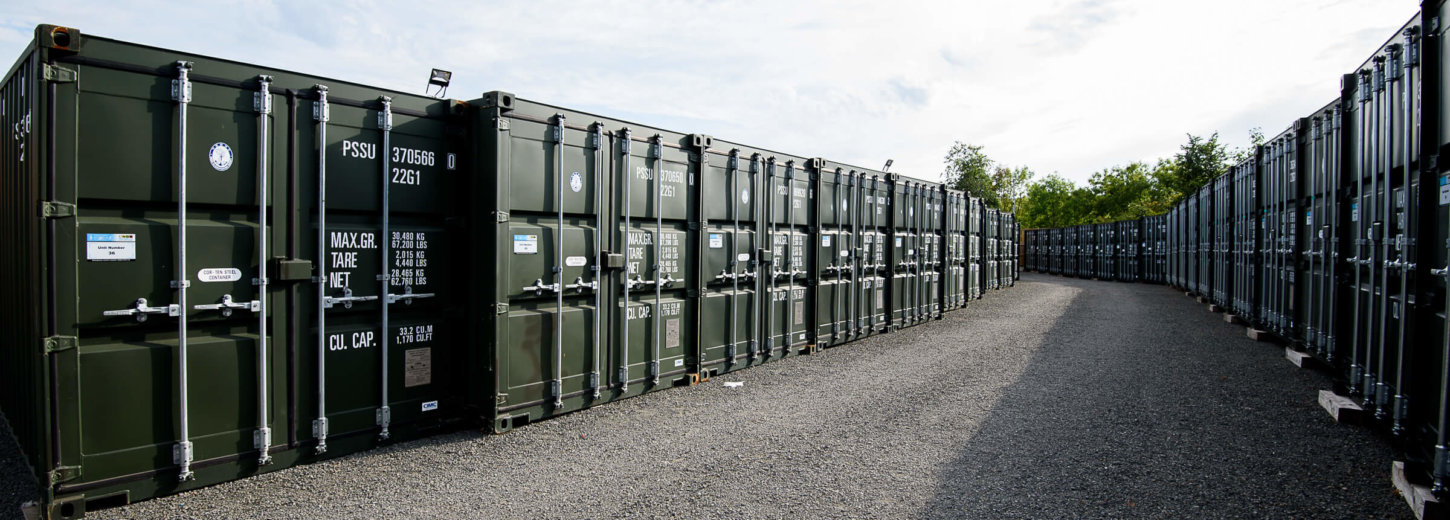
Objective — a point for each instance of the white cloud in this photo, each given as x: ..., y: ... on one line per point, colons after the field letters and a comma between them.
x: 1071, y: 86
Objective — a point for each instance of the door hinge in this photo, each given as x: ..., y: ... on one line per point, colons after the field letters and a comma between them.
x: 59, y: 74
x: 63, y: 474
x: 501, y: 308
x: 59, y: 343
x: 501, y: 216
x: 54, y: 209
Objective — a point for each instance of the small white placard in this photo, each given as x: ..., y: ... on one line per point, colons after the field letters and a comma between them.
x: 526, y: 244
x: 110, y: 247
x: 743, y: 257
x: 219, y: 274
x: 576, y: 261
x: 717, y: 240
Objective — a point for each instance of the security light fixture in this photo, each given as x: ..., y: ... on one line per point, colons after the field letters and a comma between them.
x: 439, y: 78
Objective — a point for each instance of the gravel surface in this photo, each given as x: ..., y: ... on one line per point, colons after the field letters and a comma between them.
x: 17, y: 483
x: 1056, y: 398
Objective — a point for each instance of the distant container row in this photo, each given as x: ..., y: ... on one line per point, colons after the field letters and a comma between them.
x: 218, y: 269
x: 1126, y: 251
x: 1334, y: 237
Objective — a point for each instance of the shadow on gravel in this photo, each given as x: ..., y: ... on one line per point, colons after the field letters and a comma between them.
x: 1141, y: 403
x: 17, y: 483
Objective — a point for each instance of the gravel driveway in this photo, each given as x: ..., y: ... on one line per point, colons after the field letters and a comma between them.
x: 1056, y: 398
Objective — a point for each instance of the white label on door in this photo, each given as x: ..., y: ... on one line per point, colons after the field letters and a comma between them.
x: 1444, y: 190
x: 110, y: 247
x: 745, y: 196
x: 429, y: 406
x: 526, y: 244
x: 845, y: 253
x: 743, y: 257
x: 717, y: 240
x: 220, y: 157
x: 679, y: 362
x: 825, y: 240
x: 898, y: 241
x: 219, y: 274
x: 576, y: 182
x: 576, y: 261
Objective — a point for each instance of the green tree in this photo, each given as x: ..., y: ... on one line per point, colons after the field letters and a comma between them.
x: 1123, y: 192
x: 1010, y: 186
x: 1198, y: 162
x: 970, y: 170
x: 1053, y: 201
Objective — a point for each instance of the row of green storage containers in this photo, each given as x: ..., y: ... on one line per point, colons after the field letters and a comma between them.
x: 1333, y: 236
x: 219, y: 269
x: 1125, y: 251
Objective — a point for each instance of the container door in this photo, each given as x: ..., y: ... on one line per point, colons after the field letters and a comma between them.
x: 654, y: 189
x: 171, y: 365
x: 729, y: 306
x: 382, y: 194
x: 790, y: 210
x: 832, y: 253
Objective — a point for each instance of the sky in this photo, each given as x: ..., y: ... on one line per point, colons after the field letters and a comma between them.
x: 1064, y: 86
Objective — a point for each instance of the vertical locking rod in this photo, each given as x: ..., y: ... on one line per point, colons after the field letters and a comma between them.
x: 181, y: 93
x: 321, y: 113
x: 263, y: 440
x: 559, y: 182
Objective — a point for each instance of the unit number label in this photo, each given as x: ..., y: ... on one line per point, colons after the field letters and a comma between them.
x: 526, y: 244
x: 110, y: 247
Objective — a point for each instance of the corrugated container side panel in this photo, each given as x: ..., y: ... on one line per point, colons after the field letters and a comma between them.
x: 23, y: 368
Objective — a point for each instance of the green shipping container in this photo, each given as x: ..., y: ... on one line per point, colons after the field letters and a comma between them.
x: 218, y: 269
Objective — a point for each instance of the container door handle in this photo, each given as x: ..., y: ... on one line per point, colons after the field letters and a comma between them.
x: 227, y: 305
x: 408, y: 296
x: 140, y: 310
x: 347, y: 299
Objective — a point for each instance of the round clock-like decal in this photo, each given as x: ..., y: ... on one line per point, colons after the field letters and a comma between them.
x: 220, y: 157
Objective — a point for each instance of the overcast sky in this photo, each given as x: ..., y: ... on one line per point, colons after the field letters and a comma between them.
x: 1071, y: 86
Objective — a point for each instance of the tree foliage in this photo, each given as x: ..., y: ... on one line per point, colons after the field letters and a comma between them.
x: 1121, y: 192
x: 970, y: 170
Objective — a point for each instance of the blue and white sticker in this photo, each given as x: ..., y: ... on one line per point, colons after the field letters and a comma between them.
x: 429, y: 406
x: 220, y: 157
x: 526, y: 244
x: 1444, y: 190
x: 110, y: 247
x: 717, y: 240
x: 576, y: 182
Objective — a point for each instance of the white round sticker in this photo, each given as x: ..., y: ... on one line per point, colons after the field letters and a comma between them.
x: 576, y: 182
x: 745, y: 196
x: 220, y: 156
x: 845, y: 204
